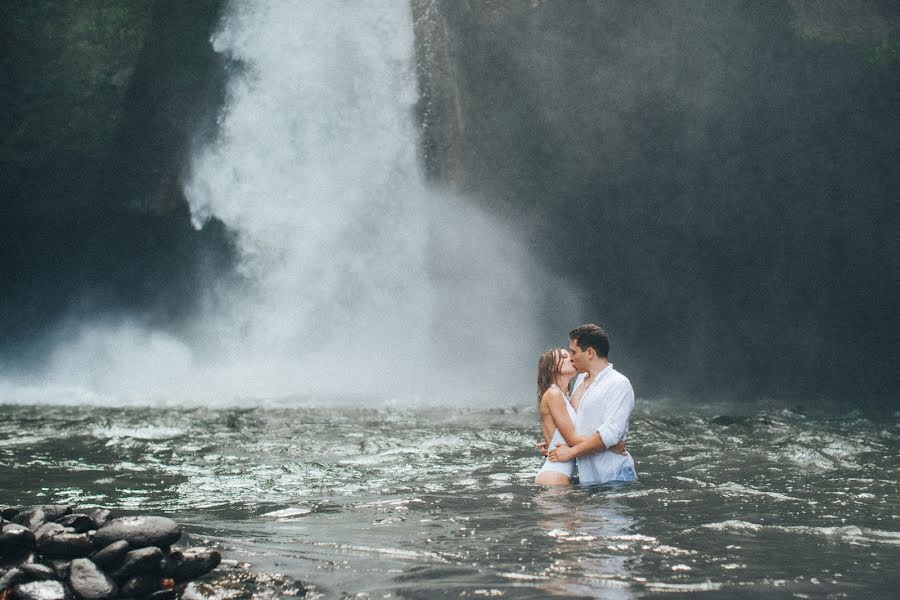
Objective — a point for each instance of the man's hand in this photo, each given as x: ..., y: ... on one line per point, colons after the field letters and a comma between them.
x: 618, y: 448
x: 542, y: 447
x: 561, y: 453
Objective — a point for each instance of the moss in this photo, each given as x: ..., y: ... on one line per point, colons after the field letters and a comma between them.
x: 61, y: 61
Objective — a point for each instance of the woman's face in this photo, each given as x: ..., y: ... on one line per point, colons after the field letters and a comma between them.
x: 565, y: 366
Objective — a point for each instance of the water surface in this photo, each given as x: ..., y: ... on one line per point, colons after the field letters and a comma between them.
x: 434, y: 503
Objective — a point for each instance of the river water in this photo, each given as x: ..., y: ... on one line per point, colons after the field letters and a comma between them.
x: 439, y: 503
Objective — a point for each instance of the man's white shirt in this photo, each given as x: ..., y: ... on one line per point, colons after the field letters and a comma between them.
x: 605, y: 408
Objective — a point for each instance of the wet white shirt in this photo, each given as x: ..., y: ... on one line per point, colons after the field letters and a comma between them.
x: 605, y: 408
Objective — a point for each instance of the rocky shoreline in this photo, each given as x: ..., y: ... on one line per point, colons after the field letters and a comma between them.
x: 52, y: 553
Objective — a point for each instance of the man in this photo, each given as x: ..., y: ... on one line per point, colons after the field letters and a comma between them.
x: 603, y: 399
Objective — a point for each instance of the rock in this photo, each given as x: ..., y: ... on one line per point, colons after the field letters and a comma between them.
x: 139, y: 532
x: 144, y: 561
x: 12, y: 577
x: 55, y: 512
x: 165, y: 594
x: 32, y: 519
x: 190, y: 563
x: 40, y: 590
x: 38, y: 572
x: 46, y: 529
x: 65, y: 544
x: 16, y: 541
x: 8, y: 512
x: 61, y: 568
x: 201, y: 591
x: 112, y: 556
x: 78, y: 523
x: 89, y: 582
x: 99, y: 517
x: 140, y: 586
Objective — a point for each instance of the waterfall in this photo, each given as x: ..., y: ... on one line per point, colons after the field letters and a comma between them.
x: 356, y: 279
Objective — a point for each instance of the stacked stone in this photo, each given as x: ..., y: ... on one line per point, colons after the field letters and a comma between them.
x: 50, y: 553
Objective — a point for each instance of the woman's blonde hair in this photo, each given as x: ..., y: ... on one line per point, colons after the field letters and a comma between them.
x: 549, y: 365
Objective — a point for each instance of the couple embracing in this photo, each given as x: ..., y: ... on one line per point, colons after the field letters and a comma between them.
x: 588, y: 429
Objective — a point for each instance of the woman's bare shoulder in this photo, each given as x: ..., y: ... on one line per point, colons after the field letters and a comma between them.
x: 552, y: 394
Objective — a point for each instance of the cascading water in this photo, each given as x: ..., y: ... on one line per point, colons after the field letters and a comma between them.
x: 315, y: 169
x: 356, y: 279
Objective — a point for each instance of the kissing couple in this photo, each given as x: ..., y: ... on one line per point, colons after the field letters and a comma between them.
x: 586, y: 430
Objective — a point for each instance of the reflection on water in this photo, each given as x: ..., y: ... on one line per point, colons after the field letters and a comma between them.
x: 440, y: 503
x: 593, y: 535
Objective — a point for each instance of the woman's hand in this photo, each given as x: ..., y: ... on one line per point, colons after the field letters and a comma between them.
x: 561, y: 453
x: 542, y: 447
x: 618, y: 448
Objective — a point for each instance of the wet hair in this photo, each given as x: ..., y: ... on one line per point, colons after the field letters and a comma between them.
x: 591, y: 336
x: 548, y: 368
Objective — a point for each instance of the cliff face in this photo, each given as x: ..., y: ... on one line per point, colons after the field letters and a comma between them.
x: 101, y: 103
x: 716, y: 177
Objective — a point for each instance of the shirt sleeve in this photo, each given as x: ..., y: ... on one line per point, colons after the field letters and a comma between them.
x: 615, y: 425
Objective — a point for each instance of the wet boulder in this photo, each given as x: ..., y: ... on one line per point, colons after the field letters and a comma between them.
x: 16, y: 541
x: 8, y: 512
x: 201, y: 591
x: 78, y: 523
x: 54, y: 512
x: 100, y: 517
x: 140, y: 532
x: 37, y: 572
x: 40, y: 590
x: 140, y: 586
x: 190, y: 563
x: 32, y: 519
x: 12, y: 577
x: 89, y: 582
x: 111, y: 557
x: 65, y: 544
x: 61, y: 568
x: 46, y: 529
x: 143, y: 561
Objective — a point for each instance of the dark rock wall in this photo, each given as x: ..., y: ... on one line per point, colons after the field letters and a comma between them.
x: 102, y: 101
x: 719, y: 179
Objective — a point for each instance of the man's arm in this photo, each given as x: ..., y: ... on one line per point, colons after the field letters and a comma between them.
x: 609, y: 433
x: 592, y: 444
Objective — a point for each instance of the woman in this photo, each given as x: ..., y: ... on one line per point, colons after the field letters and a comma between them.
x: 557, y: 414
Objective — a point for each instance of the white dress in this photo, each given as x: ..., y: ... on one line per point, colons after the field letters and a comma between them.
x: 567, y: 467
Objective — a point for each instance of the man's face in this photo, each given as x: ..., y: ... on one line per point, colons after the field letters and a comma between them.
x: 578, y: 357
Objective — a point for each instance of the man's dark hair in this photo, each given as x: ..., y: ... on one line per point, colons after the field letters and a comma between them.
x: 591, y: 336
